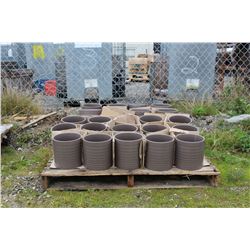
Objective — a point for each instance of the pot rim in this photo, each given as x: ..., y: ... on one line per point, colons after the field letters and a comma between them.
x: 180, y: 116
x: 145, y: 125
x: 117, y: 104
x: 84, y: 119
x: 92, y: 104
x: 79, y: 138
x: 63, y: 123
x: 187, y: 124
x: 99, y: 117
x: 141, y: 118
x: 140, y: 108
x: 139, y: 139
x: 169, y: 136
x: 126, y: 124
x: 160, y: 104
x: 88, y: 108
x: 164, y: 109
x: 95, y: 123
x: 83, y: 108
x: 109, y: 139
x: 190, y: 142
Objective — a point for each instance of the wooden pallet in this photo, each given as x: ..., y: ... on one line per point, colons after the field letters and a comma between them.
x: 113, y: 178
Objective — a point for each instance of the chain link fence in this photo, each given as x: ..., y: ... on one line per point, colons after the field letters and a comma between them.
x: 65, y: 74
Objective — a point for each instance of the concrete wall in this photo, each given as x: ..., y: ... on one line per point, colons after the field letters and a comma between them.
x: 88, y: 63
x: 18, y: 53
x: 190, y: 61
x: 44, y: 68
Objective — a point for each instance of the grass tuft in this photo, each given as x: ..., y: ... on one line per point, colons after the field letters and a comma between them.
x: 234, y: 100
x: 14, y: 101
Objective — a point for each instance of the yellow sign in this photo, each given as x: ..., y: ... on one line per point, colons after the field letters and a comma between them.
x: 38, y: 52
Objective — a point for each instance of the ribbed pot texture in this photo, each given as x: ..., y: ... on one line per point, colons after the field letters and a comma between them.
x: 63, y: 126
x: 159, y: 154
x: 67, y: 150
x: 100, y: 119
x: 189, y: 151
x: 97, y: 151
x: 124, y: 127
x: 185, y: 127
x: 153, y: 128
x: 74, y: 119
x: 166, y: 110
x: 140, y: 111
x: 179, y: 119
x: 89, y: 112
x: 150, y: 118
x: 92, y: 106
x: 127, y: 150
x: 94, y: 126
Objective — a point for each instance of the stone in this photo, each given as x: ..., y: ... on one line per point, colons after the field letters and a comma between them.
x: 238, y: 118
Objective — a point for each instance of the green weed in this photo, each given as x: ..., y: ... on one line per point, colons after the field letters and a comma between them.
x: 14, y: 101
x: 234, y: 100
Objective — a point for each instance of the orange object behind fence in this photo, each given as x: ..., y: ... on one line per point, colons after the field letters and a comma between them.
x: 50, y: 87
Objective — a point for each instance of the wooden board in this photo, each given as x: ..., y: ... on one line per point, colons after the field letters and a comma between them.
x: 144, y: 178
x: 38, y: 119
x: 160, y: 184
x: 54, y: 172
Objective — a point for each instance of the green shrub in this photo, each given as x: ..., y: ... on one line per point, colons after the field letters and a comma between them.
x: 197, y: 107
x: 243, y: 144
x: 204, y: 110
x: 14, y: 101
x: 234, y: 100
x: 231, y: 140
x: 245, y: 125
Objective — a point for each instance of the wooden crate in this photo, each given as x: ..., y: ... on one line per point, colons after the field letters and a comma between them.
x: 113, y: 178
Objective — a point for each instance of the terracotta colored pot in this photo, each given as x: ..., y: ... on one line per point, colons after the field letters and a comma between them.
x: 140, y: 111
x: 189, y: 152
x: 186, y: 127
x: 63, y: 126
x: 97, y: 151
x: 124, y: 127
x: 166, y: 110
x: 127, y: 150
x: 67, y: 150
x: 153, y: 128
x: 94, y: 126
x: 100, y: 119
x: 179, y: 119
x: 159, y: 154
x: 150, y: 118
x: 76, y: 119
x: 89, y: 112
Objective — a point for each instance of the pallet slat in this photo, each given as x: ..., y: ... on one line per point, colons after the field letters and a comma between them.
x: 51, y: 170
x: 139, y: 185
x: 207, y: 175
x: 208, y: 170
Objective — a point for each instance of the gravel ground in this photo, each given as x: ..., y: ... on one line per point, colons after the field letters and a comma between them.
x: 208, y: 123
x: 22, y: 183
